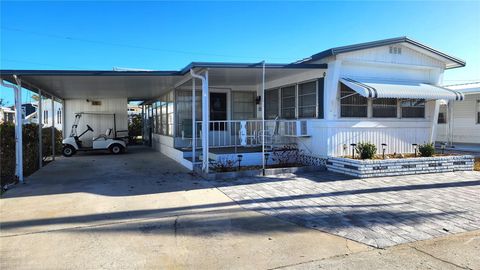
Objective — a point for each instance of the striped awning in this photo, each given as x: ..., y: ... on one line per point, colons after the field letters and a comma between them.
x: 410, y: 90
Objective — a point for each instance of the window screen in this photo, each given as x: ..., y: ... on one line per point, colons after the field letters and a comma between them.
x: 307, y: 100
x: 271, y: 103
x: 384, y: 107
x: 243, y: 105
x: 351, y: 103
x: 413, y: 108
x: 288, y: 102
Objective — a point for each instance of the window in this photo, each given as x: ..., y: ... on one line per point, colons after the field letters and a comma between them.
x: 442, y: 114
x: 271, y: 103
x: 45, y: 117
x: 184, y: 111
x: 243, y: 105
x: 59, y: 116
x: 413, y: 108
x: 307, y: 100
x: 478, y: 111
x: 163, y: 118
x: 164, y: 115
x: 384, y: 107
x: 351, y: 103
x: 288, y: 102
x: 170, y: 114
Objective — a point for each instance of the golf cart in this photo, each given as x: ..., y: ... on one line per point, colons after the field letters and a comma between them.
x: 115, y: 145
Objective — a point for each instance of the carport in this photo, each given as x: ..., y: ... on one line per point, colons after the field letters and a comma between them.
x: 134, y: 85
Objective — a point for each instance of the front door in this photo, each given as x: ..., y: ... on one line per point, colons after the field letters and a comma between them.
x: 218, y: 110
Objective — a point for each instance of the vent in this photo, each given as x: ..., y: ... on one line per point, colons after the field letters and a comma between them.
x: 96, y: 103
x: 395, y: 50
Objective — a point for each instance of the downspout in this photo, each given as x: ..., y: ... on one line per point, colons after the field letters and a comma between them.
x: 40, y: 126
x: 205, y: 117
x: 18, y: 127
x: 263, y: 118
x: 194, y: 123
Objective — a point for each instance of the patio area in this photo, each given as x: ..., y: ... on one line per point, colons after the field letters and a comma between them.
x: 379, y: 212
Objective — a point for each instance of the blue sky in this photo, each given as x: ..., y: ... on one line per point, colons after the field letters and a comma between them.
x: 169, y: 35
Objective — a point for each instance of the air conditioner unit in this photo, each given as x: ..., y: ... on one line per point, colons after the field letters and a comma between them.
x: 297, y: 128
x: 302, y: 129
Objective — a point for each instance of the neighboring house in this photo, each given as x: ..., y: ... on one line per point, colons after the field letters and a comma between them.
x: 384, y: 92
x: 134, y: 109
x: 30, y: 115
x: 7, y: 114
x: 459, y: 122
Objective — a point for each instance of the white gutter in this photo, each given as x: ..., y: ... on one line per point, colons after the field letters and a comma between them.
x: 18, y: 127
x: 205, y: 117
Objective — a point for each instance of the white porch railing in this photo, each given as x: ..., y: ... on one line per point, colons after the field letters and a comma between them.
x: 249, y: 133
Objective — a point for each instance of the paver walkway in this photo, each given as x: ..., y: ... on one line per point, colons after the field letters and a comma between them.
x: 380, y: 212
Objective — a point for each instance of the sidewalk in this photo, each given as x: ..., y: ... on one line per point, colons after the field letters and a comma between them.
x: 458, y: 251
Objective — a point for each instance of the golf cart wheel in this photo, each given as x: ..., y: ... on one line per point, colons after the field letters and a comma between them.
x: 68, y: 151
x: 116, y: 149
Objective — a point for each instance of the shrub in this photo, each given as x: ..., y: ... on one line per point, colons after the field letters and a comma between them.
x: 366, y: 150
x: 224, y: 164
x: 426, y: 150
x: 30, y: 149
x: 286, y: 155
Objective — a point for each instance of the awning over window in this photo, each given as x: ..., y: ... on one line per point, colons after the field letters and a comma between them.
x: 411, y: 90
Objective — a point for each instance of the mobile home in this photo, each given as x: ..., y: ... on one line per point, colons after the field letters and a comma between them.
x: 384, y: 92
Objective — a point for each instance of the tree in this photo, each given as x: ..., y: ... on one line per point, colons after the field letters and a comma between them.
x: 135, y: 127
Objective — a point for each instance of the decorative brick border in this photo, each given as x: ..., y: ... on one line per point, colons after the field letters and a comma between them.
x: 396, y: 166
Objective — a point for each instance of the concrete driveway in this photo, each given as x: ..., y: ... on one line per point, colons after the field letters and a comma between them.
x: 141, y: 210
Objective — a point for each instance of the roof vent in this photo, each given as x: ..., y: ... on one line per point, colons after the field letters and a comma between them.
x: 395, y: 50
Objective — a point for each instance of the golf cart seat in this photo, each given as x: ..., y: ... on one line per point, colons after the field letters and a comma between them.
x: 104, y: 136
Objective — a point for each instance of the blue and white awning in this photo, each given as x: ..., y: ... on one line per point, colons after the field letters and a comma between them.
x: 410, y: 90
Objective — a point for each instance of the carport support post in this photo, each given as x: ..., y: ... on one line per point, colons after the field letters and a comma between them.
x: 205, y: 122
x: 194, y: 124
x: 40, y: 125
x: 205, y: 117
x: 17, y: 90
x: 53, y: 128
x: 18, y: 129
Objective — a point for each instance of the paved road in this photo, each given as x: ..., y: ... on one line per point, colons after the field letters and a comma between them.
x: 379, y: 212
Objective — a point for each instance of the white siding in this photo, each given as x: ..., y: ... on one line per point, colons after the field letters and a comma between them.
x: 382, y: 54
x: 328, y: 137
x: 464, y: 126
x: 98, y: 123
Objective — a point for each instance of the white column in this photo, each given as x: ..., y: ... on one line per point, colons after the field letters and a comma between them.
x: 205, y: 121
x: 205, y: 117
x: 53, y: 128
x: 194, y: 124
x: 331, y: 90
x: 40, y: 126
x: 18, y: 130
x: 263, y: 117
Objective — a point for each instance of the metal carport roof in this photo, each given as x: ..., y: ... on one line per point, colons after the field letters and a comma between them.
x: 143, y: 85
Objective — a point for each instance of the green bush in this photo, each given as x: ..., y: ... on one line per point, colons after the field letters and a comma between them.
x: 30, y: 149
x: 426, y: 150
x: 366, y: 150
